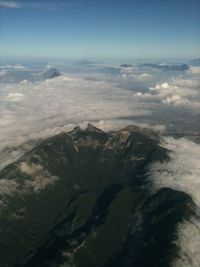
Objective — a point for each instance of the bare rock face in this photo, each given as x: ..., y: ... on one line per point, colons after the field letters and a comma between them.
x: 81, y: 199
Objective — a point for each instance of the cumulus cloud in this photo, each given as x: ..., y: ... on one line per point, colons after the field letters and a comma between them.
x: 160, y: 86
x: 179, y: 93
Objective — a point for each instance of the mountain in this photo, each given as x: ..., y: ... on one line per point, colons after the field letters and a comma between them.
x: 195, y: 62
x: 85, y: 62
x: 126, y: 66
x: 51, y: 73
x: 83, y: 199
x: 165, y: 67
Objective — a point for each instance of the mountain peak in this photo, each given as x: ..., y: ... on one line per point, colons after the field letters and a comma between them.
x: 51, y: 73
x: 81, y: 198
x: 92, y: 128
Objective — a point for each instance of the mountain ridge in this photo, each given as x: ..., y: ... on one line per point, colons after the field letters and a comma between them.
x: 81, y: 198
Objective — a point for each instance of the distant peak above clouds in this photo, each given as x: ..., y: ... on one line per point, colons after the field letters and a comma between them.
x: 195, y: 62
x: 126, y: 66
x: 51, y: 73
x: 165, y: 67
x: 85, y: 62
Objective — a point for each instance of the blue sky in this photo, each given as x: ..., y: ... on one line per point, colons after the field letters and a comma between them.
x: 100, y: 28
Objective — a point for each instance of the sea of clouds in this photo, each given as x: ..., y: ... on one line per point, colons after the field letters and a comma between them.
x: 111, y: 97
x: 33, y: 109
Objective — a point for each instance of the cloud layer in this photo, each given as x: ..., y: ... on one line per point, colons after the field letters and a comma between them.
x: 108, y: 96
x: 182, y: 173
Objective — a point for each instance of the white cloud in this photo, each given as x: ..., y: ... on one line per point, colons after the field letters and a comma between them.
x: 135, y: 74
x: 19, y: 67
x: 3, y: 73
x: 161, y: 86
x: 6, y: 119
x: 49, y: 106
x: 10, y: 4
x: 30, y: 169
x: 8, y: 187
x: 182, y: 173
x: 15, y: 97
x: 33, y: 110
x: 180, y: 90
x: 40, y: 182
x: 111, y: 125
x: 194, y: 70
x: 39, y: 177
x: 141, y: 94
x: 37, y: 5
x: 24, y: 82
x: 188, y: 242
x: 174, y: 99
x: 179, y: 93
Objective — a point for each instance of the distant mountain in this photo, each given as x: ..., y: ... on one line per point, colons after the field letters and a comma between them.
x: 126, y: 65
x: 195, y: 62
x: 85, y: 62
x: 164, y: 67
x: 82, y: 199
x: 51, y: 73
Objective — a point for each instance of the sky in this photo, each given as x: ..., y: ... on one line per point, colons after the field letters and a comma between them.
x: 100, y: 28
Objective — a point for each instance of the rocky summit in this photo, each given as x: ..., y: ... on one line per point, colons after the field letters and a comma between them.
x: 83, y: 199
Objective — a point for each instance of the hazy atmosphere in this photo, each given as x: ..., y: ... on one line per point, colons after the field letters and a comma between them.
x: 110, y: 64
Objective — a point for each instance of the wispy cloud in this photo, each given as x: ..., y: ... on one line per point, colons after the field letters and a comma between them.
x: 38, y: 5
x: 10, y: 4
